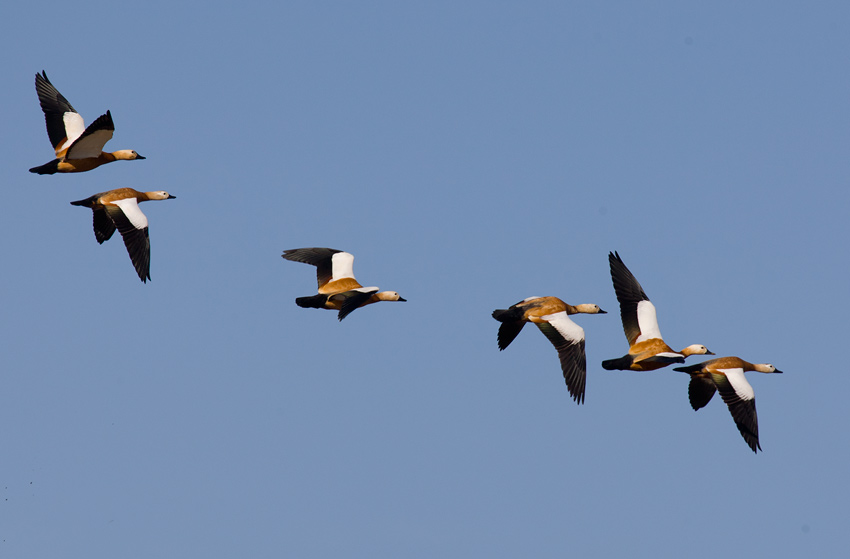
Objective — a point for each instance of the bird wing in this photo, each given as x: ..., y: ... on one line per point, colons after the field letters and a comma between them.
x: 636, y: 311
x: 568, y: 339
x: 354, y: 299
x: 664, y: 358
x: 740, y: 399
x: 62, y: 120
x: 700, y: 391
x: 104, y: 227
x: 90, y: 142
x: 133, y: 226
x: 508, y: 331
x: 331, y: 264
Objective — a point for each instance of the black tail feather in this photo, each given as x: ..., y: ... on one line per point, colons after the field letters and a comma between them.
x: 619, y: 364
x: 47, y: 169
x: 689, y: 369
x: 313, y: 302
x: 508, y: 315
x: 87, y: 202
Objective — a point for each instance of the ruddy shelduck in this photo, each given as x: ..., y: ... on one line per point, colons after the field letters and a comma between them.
x: 726, y: 375
x: 120, y: 209
x: 338, y: 290
x: 647, y: 350
x: 551, y: 315
x: 77, y: 148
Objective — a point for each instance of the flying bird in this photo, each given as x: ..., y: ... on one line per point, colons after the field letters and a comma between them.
x: 647, y: 350
x: 338, y: 290
x: 726, y: 375
x: 551, y: 315
x: 77, y: 148
x: 119, y: 209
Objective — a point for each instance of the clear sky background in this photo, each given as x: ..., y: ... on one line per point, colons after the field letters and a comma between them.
x: 469, y: 154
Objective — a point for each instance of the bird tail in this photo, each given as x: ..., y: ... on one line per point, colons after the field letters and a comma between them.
x: 87, y: 202
x: 313, y: 302
x: 689, y: 369
x: 47, y: 169
x: 619, y: 364
x: 508, y: 315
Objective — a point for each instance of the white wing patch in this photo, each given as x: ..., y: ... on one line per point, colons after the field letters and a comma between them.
x: 739, y: 383
x: 74, y: 127
x: 365, y: 289
x: 90, y: 146
x: 131, y: 210
x: 568, y: 329
x: 527, y: 299
x: 668, y: 354
x: 342, y: 264
x: 647, y: 321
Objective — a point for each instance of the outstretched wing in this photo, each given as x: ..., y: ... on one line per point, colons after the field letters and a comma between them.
x: 354, y: 299
x: 104, y: 227
x: 58, y: 113
x: 90, y: 143
x: 636, y: 311
x: 133, y: 226
x: 331, y: 264
x: 741, y: 400
x: 700, y: 390
x: 568, y: 339
x: 508, y: 331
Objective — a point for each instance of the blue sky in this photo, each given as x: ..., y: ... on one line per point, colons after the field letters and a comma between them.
x: 469, y: 155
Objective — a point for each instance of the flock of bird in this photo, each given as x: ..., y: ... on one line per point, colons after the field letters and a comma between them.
x: 647, y: 349
x: 79, y: 148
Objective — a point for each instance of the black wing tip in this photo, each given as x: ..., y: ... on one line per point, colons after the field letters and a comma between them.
x: 752, y: 441
x: 750, y: 435
x: 144, y: 274
x: 343, y: 312
x: 615, y: 260
x: 578, y: 397
x: 508, y: 331
x: 577, y: 392
x: 626, y: 286
x: 574, y: 368
x: 103, y: 122
x: 288, y: 252
x: 308, y: 255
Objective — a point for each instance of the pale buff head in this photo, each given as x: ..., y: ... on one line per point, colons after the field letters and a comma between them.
x: 389, y: 296
x: 765, y: 368
x: 126, y: 155
x: 587, y: 308
x: 159, y: 195
x: 696, y: 349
